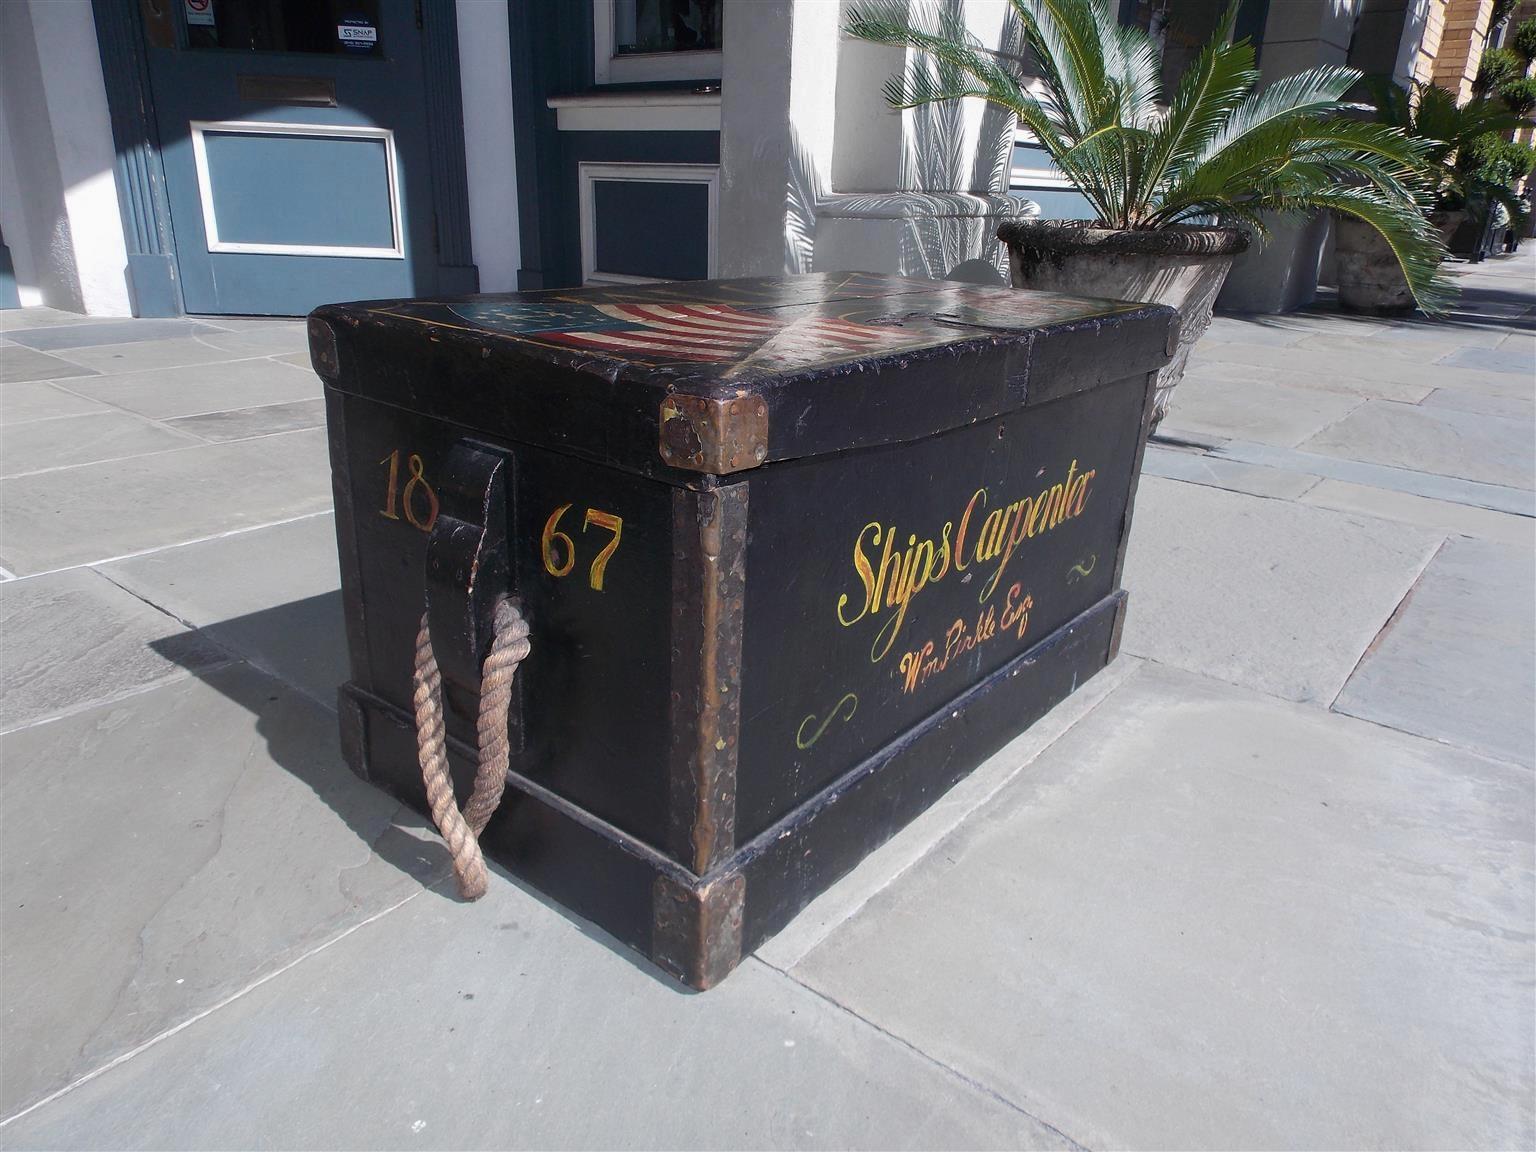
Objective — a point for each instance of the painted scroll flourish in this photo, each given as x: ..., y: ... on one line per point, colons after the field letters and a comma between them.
x: 802, y: 742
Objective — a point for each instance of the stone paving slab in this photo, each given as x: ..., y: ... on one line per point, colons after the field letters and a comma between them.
x: 61, y: 336
x: 1206, y: 918
x: 18, y: 363
x: 270, y: 595
x: 1272, y: 595
x: 1500, y: 498
x: 1198, y: 468
x: 102, y: 511
x: 1514, y: 407
x: 164, y: 851
x: 285, y: 337
x: 1516, y: 359
x: 1203, y: 364
x: 243, y: 423
x: 87, y: 439
x: 1438, y: 515
x: 27, y: 400
x: 1347, y: 366
x: 1459, y: 660
x: 1256, y: 409
x: 503, y: 1024
x: 164, y: 394
x: 1420, y: 351
x: 149, y: 355
x: 74, y: 638
x: 1447, y: 441
x: 21, y: 319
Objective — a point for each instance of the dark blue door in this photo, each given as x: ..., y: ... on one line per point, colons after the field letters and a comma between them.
x: 294, y: 135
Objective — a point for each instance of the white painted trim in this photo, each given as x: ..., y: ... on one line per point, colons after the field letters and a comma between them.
x: 608, y: 68
x: 1038, y: 178
x: 637, y: 112
x: 270, y: 128
x: 588, y: 174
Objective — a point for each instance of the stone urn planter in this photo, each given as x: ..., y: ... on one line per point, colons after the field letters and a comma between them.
x: 1371, y: 281
x: 1182, y: 267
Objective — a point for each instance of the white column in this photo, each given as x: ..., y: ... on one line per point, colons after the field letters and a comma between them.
x: 485, y: 74
x: 63, y: 226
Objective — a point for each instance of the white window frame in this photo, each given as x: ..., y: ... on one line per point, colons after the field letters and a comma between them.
x: 589, y: 174
x: 609, y: 68
x: 1043, y: 179
x: 396, y: 251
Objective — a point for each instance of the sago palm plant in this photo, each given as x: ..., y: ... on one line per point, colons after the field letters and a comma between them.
x: 1215, y: 150
x: 1454, y: 135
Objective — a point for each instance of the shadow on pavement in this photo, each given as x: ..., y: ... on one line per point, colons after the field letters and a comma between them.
x: 300, y: 648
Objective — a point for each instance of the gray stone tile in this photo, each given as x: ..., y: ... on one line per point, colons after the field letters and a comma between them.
x: 1517, y: 360
x: 1458, y: 661
x: 1197, y: 468
x: 1516, y: 501
x: 102, y: 511
x: 74, y: 638
x: 1446, y: 441
x: 148, y: 355
x: 63, y: 336
x: 87, y: 439
x: 285, y: 618
x: 1209, y: 366
x: 1434, y: 334
x: 22, y: 319
x: 505, y: 1025
x: 1514, y: 407
x: 1276, y: 596
x: 872, y: 875
x: 27, y: 400
x: 1208, y: 919
x: 1421, y: 350
x: 195, y: 390
x: 253, y: 323
x: 1345, y: 368
x: 1255, y: 330
x: 243, y: 423
x: 1440, y: 515
x: 1256, y: 409
x: 18, y: 363
x: 164, y: 851
x: 271, y: 338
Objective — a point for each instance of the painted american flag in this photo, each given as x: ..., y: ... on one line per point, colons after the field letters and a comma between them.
x: 714, y: 333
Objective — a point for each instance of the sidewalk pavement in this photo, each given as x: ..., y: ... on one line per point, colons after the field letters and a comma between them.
x: 1266, y: 881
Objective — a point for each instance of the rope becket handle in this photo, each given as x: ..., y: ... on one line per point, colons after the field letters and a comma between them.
x: 461, y: 830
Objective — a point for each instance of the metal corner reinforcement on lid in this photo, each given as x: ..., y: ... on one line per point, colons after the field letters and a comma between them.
x: 705, y: 434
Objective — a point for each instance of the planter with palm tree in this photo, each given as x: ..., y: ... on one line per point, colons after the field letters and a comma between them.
x: 1169, y: 178
x: 1456, y: 184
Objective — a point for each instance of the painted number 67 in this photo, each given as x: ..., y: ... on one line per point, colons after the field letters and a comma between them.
x: 555, y: 566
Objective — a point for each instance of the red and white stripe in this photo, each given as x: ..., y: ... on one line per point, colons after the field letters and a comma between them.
x: 714, y: 332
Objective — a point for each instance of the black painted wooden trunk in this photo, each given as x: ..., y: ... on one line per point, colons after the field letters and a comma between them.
x: 797, y: 554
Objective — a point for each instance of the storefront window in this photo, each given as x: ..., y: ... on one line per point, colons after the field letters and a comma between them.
x: 648, y: 26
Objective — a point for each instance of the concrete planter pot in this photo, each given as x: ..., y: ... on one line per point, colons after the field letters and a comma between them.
x: 1181, y: 267
x: 1370, y: 279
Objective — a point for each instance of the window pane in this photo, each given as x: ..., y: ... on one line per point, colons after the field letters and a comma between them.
x: 665, y: 26
x: 333, y: 27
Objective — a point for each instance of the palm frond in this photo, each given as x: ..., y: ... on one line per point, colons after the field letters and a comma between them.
x: 1210, y: 92
x: 1317, y: 91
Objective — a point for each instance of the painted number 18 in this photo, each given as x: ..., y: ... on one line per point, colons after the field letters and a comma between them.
x: 558, y: 561
x: 414, y: 499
